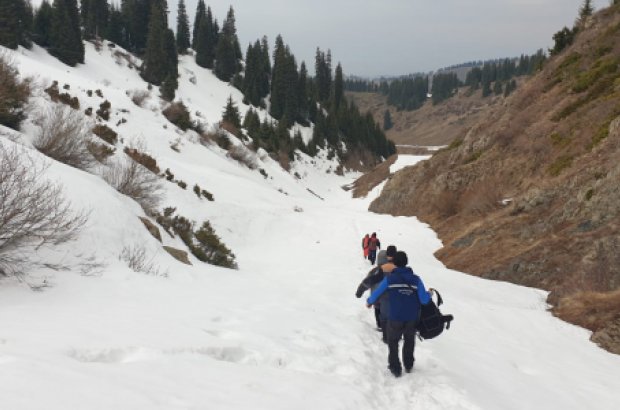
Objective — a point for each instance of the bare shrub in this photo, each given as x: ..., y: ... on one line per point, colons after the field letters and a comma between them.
x: 104, y: 109
x: 132, y: 179
x: 178, y: 114
x: 138, y: 97
x: 137, y: 154
x: 101, y: 152
x: 33, y: 211
x: 243, y: 155
x: 482, y: 198
x: 13, y: 94
x: 138, y: 261
x: 63, y: 98
x: 64, y: 136
x: 215, y: 135
x: 105, y: 133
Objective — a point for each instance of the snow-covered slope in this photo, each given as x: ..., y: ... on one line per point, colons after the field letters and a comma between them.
x: 285, y: 330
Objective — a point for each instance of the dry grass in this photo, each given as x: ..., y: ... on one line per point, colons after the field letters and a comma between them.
x: 482, y: 198
x: 592, y: 310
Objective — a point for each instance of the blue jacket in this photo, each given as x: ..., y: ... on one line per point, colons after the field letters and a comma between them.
x: 406, y: 293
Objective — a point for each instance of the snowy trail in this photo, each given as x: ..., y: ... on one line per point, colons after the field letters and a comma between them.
x: 286, y: 331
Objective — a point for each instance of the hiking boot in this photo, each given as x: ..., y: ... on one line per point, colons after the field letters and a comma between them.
x: 410, y: 368
x: 397, y: 372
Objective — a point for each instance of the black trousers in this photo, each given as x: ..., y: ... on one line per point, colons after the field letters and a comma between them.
x: 377, y: 310
x: 372, y: 256
x: 396, y: 330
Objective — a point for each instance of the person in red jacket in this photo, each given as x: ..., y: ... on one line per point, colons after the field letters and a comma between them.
x: 365, y: 241
x: 373, y: 245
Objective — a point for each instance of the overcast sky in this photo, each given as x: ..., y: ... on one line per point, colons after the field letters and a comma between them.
x: 375, y: 37
x: 384, y: 37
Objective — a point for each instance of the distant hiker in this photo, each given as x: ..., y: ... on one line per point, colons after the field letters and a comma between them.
x: 373, y: 245
x: 365, y: 242
x: 406, y: 294
x: 372, y: 280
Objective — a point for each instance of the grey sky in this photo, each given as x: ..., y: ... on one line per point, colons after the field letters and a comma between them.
x: 374, y: 37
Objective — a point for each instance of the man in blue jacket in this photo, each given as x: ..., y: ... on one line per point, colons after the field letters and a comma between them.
x: 406, y: 294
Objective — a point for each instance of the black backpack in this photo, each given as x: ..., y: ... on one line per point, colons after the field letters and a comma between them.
x: 432, y: 322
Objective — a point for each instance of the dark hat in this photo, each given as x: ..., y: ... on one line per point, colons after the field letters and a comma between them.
x: 400, y: 259
x: 390, y: 251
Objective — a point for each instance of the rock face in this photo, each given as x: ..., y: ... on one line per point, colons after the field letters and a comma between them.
x: 531, y: 193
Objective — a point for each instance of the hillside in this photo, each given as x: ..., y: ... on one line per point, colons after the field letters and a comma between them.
x: 431, y: 125
x: 529, y: 193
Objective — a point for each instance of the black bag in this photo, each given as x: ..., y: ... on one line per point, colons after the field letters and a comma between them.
x: 432, y: 322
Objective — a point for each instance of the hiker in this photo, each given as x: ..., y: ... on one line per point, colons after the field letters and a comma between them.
x: 384, y: 266
x: 373, y: 245
x: 406, y: 294
x: 365, y: 241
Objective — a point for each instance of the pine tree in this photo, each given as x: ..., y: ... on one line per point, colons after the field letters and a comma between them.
x: 387, y: 120
x: 26, y: 19
x: 183, y: 40
x: 231, y: 113
x: 171, y: 62
x: 16, y: 21
x: 201, y: 13
x: 94, y: 14
x: 155, y: 68
x: 498, y: 88
x: 323, y: 70
x: 585, y: 11
x: 42, y: 24
x: 278, y: 81
x: 338, y: 86
x: 302, y: 93
x: 206, y: 40
x: 65, y: 35
x: 291, y: 79
x: 115, y: 30
x: 228, y: 51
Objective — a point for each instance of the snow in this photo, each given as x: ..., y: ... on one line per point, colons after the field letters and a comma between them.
x: 404, y: 161
x: 285, y: 330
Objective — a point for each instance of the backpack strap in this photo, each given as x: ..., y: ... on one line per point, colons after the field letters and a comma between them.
x: 439, y: 298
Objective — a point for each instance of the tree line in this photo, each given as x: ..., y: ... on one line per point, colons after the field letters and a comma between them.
x: 493, y: 76
x: 141, y: 27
